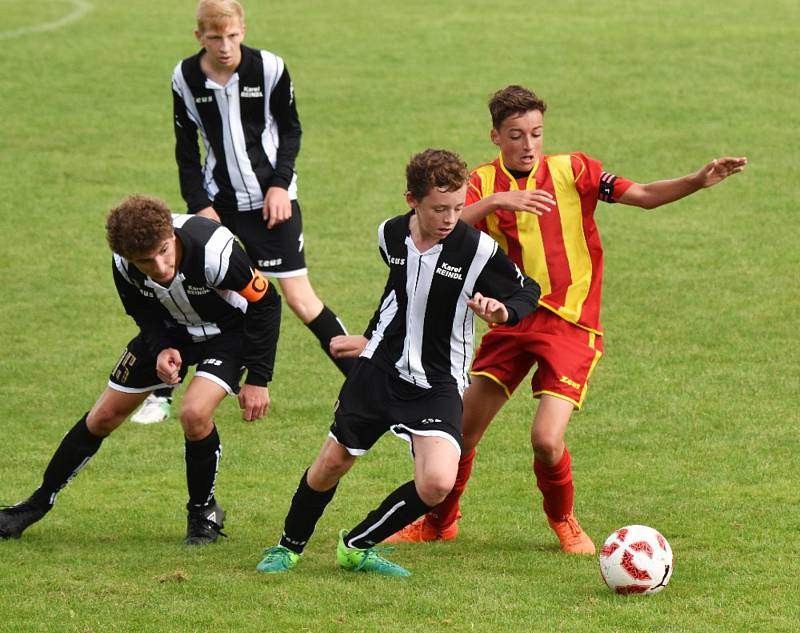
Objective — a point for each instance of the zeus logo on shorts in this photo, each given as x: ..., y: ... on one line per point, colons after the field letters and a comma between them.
x: 570, y: 382
x: 430, y: 421
x: 211, y: 361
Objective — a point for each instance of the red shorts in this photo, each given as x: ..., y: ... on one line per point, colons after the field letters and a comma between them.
x: 564, y: 354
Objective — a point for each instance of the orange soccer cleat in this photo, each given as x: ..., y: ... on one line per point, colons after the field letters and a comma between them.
x: 571, y: 535
x: 420, y: 531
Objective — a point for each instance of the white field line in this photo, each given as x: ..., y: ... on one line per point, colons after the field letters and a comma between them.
x: 81, y: 8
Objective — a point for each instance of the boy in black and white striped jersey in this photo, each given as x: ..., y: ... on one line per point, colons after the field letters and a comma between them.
x: 412, y: 363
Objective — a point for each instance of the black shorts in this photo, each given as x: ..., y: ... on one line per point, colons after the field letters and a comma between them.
x: 279, y: 251
x: 372, y: 402
x: 219, y: 360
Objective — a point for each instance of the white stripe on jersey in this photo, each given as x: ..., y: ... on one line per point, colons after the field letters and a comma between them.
x: 180, y: 86
x: 420, y: 269
x: 461, y: 340
x: 243, y: 178
x: 218, y: 255
x: 122, y: 267
x: 273, y: 69
x: 388, y: 311
x: 176, y: 301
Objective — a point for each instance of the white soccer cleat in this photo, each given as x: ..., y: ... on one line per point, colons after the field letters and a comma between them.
x: 154, y: 409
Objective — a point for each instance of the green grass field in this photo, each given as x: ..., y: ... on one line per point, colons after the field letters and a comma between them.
x: 691, y: 424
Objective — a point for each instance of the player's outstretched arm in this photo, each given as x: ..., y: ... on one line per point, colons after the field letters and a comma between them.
x: 654, y: 194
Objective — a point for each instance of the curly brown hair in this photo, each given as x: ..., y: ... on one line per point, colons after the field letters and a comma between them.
x: 513, y: 100
x: 138, y: 225
x: 435, y: 168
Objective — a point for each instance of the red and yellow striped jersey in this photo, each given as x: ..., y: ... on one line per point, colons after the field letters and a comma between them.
x: 561, y: 250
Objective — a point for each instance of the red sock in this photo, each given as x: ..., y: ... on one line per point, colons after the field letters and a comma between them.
x: 446, y: 513
x: 555, y: 482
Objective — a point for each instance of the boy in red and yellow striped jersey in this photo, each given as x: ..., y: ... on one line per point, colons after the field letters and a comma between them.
x: 540, y: 209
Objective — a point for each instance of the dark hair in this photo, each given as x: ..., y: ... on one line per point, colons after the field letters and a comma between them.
x: 138, y: 225
x: 513, y: 100
x: 435, y: 168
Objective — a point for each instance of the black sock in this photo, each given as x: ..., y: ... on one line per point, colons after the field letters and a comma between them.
x: 398, y: 510
x: 202, y: 463
x: 75, y: 450
x: 306, y: 509
x: 164, y: 392
x: 325, y: 326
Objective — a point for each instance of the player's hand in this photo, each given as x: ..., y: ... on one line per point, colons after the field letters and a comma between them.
x: 254, y: 402
x: 347, y: 345
x: 490, y: 310
x: 718, y: 170
x: 536, y: 201
x: 209, y: 213
x: 277, y: 206
x: 168, y: 365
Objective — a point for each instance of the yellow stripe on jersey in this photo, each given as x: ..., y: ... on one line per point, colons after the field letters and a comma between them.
x: 577, y: 251
x: 534, y: 262
x: 487, y: 175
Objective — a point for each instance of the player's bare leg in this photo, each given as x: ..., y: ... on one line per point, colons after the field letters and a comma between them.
x: 553, y: 471
x: 75, y: 450
x: 313, y: 494
x: 435, y: 464
x: 203, y: 451
x: 483, y: 399
x: 317, y: 317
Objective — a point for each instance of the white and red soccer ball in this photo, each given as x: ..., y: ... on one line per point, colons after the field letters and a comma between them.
x: 636, y: 559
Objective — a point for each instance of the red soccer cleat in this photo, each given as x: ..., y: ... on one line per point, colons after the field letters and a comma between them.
x: 571, y: 535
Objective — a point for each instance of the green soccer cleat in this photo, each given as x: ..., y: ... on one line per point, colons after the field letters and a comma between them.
x: 277, y: 559
x: 367, y: 560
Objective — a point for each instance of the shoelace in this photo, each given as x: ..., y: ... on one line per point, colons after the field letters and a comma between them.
x: 204, y: 522
x: 275, y: 553
x: 377, y: 551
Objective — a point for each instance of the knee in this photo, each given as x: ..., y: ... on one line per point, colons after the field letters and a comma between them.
x: 548, y: 450
x: 103, y: 420
x: 432, y: 490
x: 196, y: 422
x: 334, y: 465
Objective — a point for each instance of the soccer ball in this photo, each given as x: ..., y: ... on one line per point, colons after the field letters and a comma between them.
x: 636, y: 559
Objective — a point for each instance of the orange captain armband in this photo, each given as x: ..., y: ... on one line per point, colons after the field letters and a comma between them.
x: 256, y: 289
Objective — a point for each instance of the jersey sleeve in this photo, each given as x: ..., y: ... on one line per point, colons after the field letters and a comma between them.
x: 284, y: 108
x: 262, y: 319
x: 502, y: 280
x: 187, y: 150
x: 592, y: 180
x: 474, y: 194
x: 383, y: 250
x: 152, y: 328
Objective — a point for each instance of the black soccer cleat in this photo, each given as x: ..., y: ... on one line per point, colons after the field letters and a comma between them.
x: 14, y: 520
x: 205, y: 526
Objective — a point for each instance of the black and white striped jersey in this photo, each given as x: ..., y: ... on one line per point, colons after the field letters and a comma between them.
x: 203, y: 300
x: 249, y: 128
x: 423, y: 330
